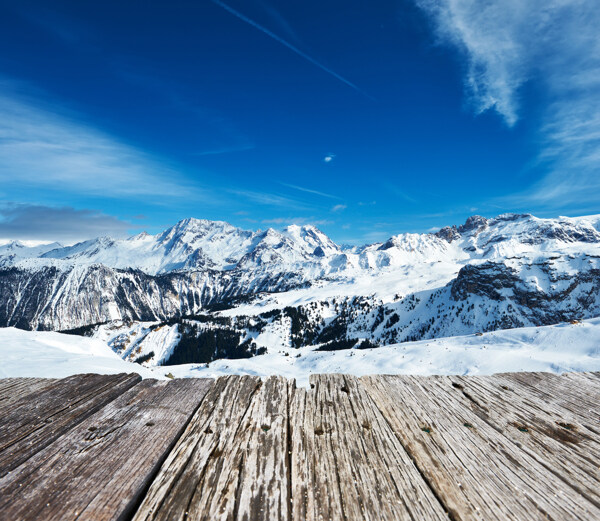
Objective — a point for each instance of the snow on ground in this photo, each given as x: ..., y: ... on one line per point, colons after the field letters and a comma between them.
x: 559, y: 348
x: 55, y: 355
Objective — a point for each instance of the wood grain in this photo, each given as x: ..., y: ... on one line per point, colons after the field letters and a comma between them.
x: 567, y: 393
x: 505, y: 447
x: 475, y: 470
x: 36, y: 420
x: 551, y: 435
x: 100, y: 468
x: 14, y: 389
x: 346, y: 461
x: 231, y: 462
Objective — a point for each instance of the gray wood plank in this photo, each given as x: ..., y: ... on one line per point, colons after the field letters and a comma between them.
x: 13, y: 389
x: 231, y: 462
x: 476, y: 471
x: 39, y: 418
x: 582, y: 401
x: 101, y: 467
x: 589, y: 379
x: 346, y: 461
x: 548, y: 433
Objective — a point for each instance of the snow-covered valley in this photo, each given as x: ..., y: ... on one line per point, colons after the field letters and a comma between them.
x: 557, y: 349
x: 209, y: 293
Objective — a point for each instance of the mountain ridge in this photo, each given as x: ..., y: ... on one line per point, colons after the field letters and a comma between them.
x: 293, y: 287
x: 199, y: 243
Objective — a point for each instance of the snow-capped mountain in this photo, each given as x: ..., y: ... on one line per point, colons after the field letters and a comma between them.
x: 296, y: 287
x: 194, y: 244
x: 15, y: 251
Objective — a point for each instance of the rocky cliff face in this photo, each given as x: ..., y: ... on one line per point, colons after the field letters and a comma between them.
x: 52, y: 299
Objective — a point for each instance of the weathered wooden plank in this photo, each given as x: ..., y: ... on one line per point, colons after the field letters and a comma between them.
x: 231, y: 462
x: 588, y: 379
x: 13, y: 389
x: 582, y: 401
x: 101, y: 467
x: 38, y: 419
x: 263, y: 489
x: 346, y: 461
x: 476, y: 471
x: 548, y: 433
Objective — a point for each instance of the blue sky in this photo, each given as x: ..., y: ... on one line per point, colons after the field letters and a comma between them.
x: 366, y: 119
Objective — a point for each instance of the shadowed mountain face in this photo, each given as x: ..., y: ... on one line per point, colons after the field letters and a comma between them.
x: 486, y: 274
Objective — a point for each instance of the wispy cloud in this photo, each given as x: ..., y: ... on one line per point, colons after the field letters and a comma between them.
x: 41, y: 146
x: 339, y: 208
x: 64, y: 224
x: 267, y: 199
x: 310, y: 191
x: 291, y: 47
x: 399, y: 193
x: 556, y: 45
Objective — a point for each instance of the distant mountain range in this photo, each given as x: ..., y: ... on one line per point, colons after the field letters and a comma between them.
x: 202, y: 290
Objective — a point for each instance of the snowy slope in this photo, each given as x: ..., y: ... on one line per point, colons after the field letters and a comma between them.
x: 14, y: 251
x: 55, y: 355
x: 560, y: 348
x: 557, y: 349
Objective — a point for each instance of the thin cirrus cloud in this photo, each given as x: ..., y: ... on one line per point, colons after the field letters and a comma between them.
x: 64, y: 224
x: 291, y: 47
x: 267, y: 199
x: 556, y: 45
x: 310, y: 191
x: 41, y: 147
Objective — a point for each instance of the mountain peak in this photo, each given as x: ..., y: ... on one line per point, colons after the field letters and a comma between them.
x: 192, y: 223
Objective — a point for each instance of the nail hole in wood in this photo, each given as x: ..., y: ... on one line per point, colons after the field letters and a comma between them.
x: 468, y: 425
x: 366, y: 425
x: 522, y: 428
x: 312, y: 386
x: 265, y: 427
x: 345, y: 389
x: 505, y: 387
x: 457, y: 386
x: 149, y: 424
x: 92, y: 428
x: 208, y: 431
x: 319, y: 431
x: 426, y: 429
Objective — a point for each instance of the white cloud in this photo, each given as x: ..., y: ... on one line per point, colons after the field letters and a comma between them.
x: 556, y: 45
x: 339, y: 208
x: 41, y: 147
x: 329, y: 158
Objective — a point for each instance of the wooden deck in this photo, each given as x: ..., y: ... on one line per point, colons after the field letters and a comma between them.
x: 522, y: 446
